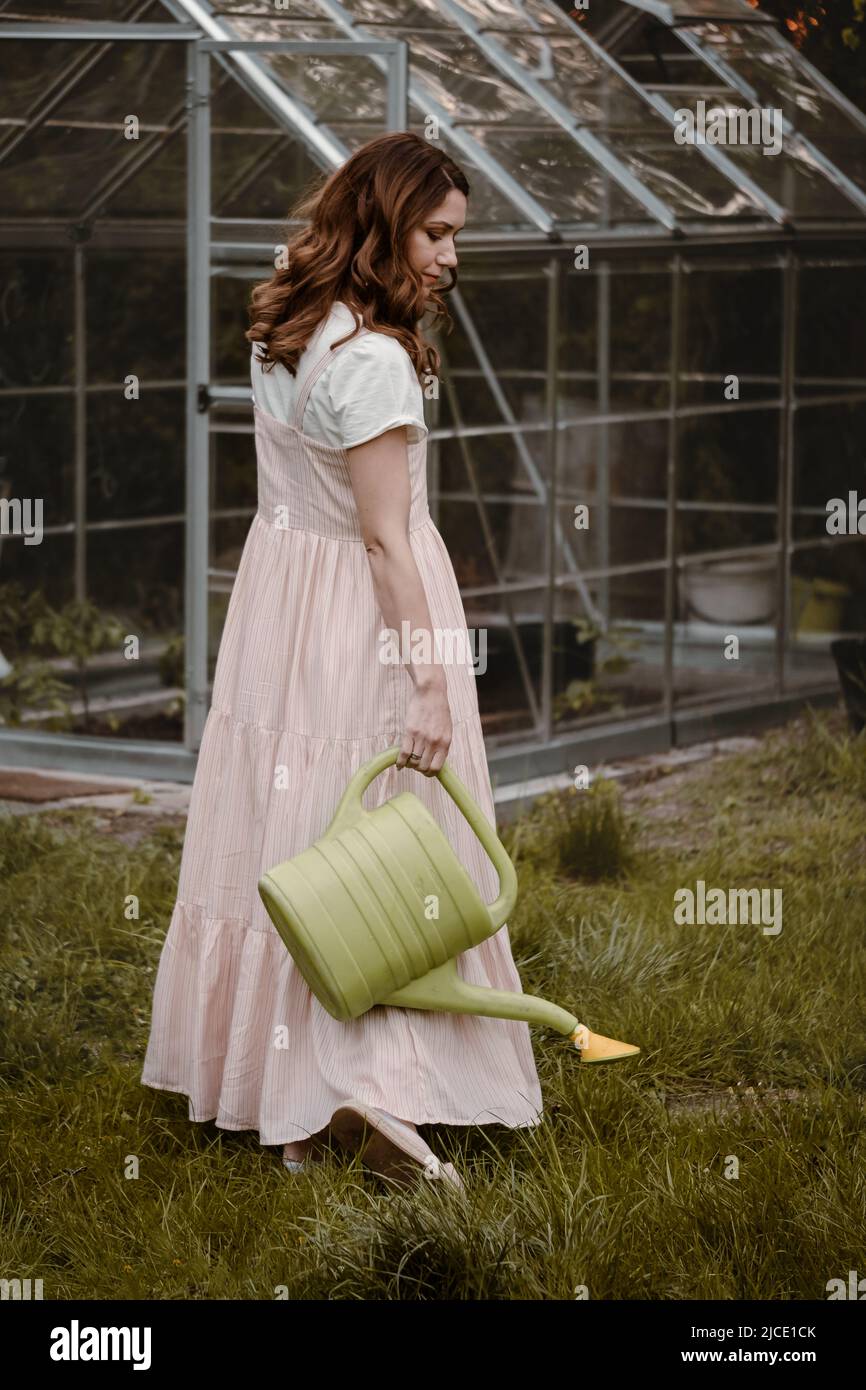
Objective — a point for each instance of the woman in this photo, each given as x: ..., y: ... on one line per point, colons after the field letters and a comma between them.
x: 342, y: 540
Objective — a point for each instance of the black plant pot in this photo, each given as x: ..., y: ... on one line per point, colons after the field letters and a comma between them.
x: 849, y: 654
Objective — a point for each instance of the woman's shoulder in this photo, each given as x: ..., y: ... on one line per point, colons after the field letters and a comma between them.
x: 371, y: 348
x: 367, y: 351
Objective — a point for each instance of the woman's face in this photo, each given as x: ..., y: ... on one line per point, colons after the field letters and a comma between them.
x: 430, y: 247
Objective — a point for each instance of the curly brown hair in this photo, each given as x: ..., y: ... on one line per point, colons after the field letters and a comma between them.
x: 354, y: 250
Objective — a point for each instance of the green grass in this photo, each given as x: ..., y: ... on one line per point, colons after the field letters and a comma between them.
x: 583, y: 834
x: 622, y: 1189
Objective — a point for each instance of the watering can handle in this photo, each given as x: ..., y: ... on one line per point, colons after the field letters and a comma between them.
x: 350, y: 809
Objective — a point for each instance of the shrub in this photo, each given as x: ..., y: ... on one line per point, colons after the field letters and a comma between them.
x: 580, y: 834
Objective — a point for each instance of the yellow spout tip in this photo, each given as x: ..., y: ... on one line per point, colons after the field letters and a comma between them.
x: 594, y: 1048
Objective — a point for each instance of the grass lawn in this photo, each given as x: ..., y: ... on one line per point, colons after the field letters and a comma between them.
x: 726, y: 1162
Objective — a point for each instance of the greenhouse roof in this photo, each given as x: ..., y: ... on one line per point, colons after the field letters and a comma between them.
x: 635, y: 118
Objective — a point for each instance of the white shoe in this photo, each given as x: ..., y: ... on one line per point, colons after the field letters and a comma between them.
x: 296, y: 1165
x: 389, y: 1147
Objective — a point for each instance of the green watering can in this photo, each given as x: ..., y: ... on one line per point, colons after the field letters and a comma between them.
x: 378, y: 909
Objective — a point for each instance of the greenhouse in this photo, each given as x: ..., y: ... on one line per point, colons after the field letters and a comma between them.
x: 650, y: 408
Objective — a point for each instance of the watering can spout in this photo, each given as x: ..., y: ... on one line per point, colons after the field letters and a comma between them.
x: 446, y: 990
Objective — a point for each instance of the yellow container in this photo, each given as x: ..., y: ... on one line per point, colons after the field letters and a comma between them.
x: 816, y: 604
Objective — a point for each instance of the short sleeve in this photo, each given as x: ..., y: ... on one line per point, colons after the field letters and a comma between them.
x: 371, y: 388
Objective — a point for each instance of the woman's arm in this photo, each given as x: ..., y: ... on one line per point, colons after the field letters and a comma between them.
x: 380, y: 481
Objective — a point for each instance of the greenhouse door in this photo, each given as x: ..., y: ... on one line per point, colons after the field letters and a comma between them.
x: 204, y: 260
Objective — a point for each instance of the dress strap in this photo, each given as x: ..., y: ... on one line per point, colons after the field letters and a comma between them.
x: 313, y: 375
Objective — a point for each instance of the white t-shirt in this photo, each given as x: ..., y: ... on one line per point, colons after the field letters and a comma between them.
x: 370, y: 386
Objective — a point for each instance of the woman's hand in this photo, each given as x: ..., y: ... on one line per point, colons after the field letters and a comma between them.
x: 428, y: 729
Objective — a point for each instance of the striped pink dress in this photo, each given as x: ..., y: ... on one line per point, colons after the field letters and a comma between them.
x: 300, y: 701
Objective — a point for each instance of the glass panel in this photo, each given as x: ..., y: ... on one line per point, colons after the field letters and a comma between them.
x: 725, y: 336
x: 510, y: 316
x: 25, y: 64
x: 145, y: 80
x: 680, y: 174
x: 638, y: 136
x: 557, y: 173
x: 260, y: 176
x: 728, y: 482
x: 257, y: 168
x: 792, y: 180
x: 137, y: 572
x: 608, y: 660
x: 727, y: 500
x: 638, y: 322
x: 498, y: 626
x: 668, y: 73
x: 519, y: 15
x: 61, y: 165
x: 828, y: 467
x: 498, y: 465
x: 475, y: 402
x: 523, y: 546
x: 420, y: 14
x: 778, y: 82
x: 831, y: 352
x: 828, y: 601
x: 135, y: 455
x: 231, y: 350
x: 333, y: 88
x: 637, y: 471
x: 53, y: 171
x: 488, y: 207
x: 157, y: 183
x: 297, y: 9
x: 474, y: 562
x: 682, y: 178
x: 611, y: 490
x: 59, y: 13
x: 715, y: 9
x: 596, y: 18
x: 571, y: 72
x: 234, y: 474
x: 36, y: 345
x: 137, y: 575
x: 37, y: 433
x: 463, y: 82
x: 135, y: 315
x: 640, y: 340
x: 739, y: 600
x: 48, y: 569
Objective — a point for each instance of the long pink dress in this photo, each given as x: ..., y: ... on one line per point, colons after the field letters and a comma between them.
x: 300, y: 701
